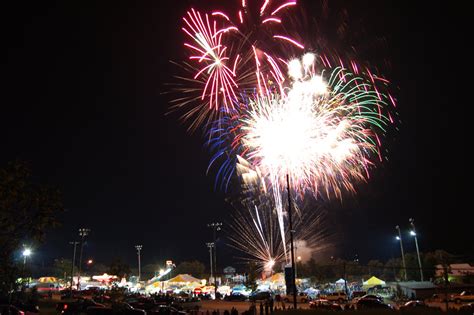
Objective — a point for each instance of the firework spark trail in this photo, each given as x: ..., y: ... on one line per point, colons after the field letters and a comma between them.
x: 255, y: 233
x: 211, y: 50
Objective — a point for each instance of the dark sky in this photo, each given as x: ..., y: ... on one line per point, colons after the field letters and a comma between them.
x: 82, y: 100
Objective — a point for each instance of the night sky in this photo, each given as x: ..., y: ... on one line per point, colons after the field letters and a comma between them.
x: 83, y: 100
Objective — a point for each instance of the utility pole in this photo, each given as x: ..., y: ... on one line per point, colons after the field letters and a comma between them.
x: 210, y: 246
x: 345, y: 280
x: 216, y: 226
x: 73, y: 262
x: 139, y: 249
x: 399, y: 237
x: 413, y: 233
x: 83, y: 232
x: 446, y: 284
x: 293, y: 269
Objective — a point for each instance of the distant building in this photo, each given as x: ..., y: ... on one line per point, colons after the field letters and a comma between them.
x: 456, y: 272
x: 229, y: 272
x: 415, y: 289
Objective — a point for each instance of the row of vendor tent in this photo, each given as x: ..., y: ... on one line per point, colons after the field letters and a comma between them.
x: 183, y: 281
x: 372, y: 282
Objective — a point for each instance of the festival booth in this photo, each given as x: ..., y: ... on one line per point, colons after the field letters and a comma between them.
x: 181, y: 283
x: 274, y: 283
x: 48, y: 280
x: 44, y: 285
x: 340, y: 284
x: 241, y: 289
x: 102, y: 281
x: 224, y: 290
x: 372, y: 282
x: 154, y: 286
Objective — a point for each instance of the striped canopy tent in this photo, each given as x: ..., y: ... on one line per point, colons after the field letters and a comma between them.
x: 104, y: 278
x: 47, y: 280
x: 183, y: 279
x: 191, y: 285
x: 372, y: 282
x: 278, y: 277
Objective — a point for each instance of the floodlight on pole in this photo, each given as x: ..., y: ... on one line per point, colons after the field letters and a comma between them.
x: 26, y: 253
x: 413, y: 233
x: 215, y: 226
x: 73, y: 262
x: 83, y: 232
x: 139, y: 249
x: 399, y: 238
x: 292, y: 251
x: 211, y: 246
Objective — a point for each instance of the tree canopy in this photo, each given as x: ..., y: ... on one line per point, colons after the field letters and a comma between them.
x: 27, y: 211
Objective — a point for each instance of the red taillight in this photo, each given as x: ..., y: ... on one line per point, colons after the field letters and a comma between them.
x: 65, y: 307
x: 21, y: 313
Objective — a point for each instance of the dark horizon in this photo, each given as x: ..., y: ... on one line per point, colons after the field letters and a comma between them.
x: 86, y: 105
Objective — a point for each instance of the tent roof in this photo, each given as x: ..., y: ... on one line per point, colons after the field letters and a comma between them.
x: 278, y: 277
x: 47, y: 279
x: 184, y: 278
x: 341, y: 281
x: 374, y: 281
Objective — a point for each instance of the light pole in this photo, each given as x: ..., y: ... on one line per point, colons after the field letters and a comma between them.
x: 216, y: 226
x: 210, y: 246
x: 83, y: 232
x: 298, y: 260
x: 26, y: 254
x: 293, y: 268
x: 139, y: 249
x: 399, y: 238
x: 73, y: 262
x: 413, y: 233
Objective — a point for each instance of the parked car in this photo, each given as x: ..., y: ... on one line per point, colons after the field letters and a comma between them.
x: 464, y: 296
x: 467, y: 307
x: 75, y: 307
x: 321, y: 304
x: 358, y: 294
x: 339, y: 297
x: 67, y: 294
x: 123, y: 308
x: 26, y: 308
x: 417, y: 304
x: 371, y: 297
x: 235, y: 297
x: 142, y: 303
x: 414, y: 304
x: 113, y: 311
x: 370, y: 304
x: 9, y: 309
x: 300, y: 298
x: 436, y: 298
x: 260, y: 296
x: 166, y: 310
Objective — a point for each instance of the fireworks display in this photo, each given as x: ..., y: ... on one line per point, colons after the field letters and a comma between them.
x: 256, y: 234
x: 268, y: 115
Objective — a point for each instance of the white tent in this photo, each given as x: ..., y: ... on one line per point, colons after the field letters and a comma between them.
x: 340, y: 281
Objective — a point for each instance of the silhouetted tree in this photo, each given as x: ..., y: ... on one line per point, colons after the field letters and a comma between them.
x: 119, y: 268
x: 27, y: 211
x: 62, y: 268
x: 194, y: 268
